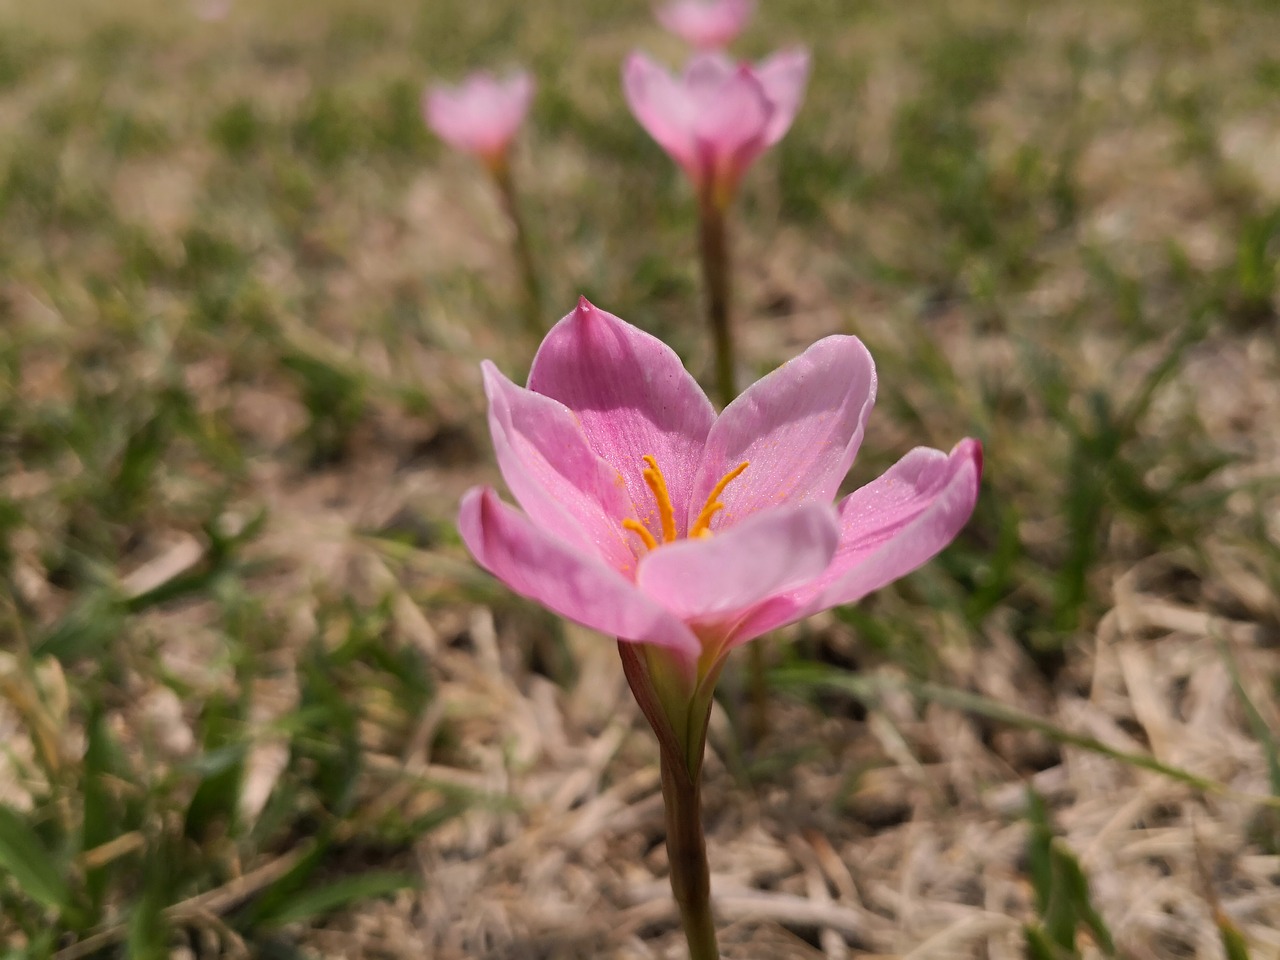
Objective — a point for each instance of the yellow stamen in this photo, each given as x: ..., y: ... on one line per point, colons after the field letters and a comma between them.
x: 635, y: 526
x: 653, y: 477
x: 702, y: 526
x: 657, y: 484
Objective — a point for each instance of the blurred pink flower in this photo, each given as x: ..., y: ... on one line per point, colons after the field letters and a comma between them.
x: 647, y: 517
x: 706, y: 24
x: 211, y: 11
x: 717, y: 117
x: 481, y: 115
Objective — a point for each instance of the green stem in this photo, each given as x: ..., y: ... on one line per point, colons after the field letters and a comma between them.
x: 524, y: 252
x: 677, y: 705
x: 713, y: 244
x: 687, y: 853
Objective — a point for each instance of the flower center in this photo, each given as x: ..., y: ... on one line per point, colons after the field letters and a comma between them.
x: 657, y: 485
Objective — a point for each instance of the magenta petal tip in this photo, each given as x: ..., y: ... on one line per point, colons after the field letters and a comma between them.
x: 974, y: 447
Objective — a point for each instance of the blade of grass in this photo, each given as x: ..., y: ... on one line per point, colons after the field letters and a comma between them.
x: 325, y: 899
x: 32, y: 866
x: 1261, y: 731
x: 871, y: 689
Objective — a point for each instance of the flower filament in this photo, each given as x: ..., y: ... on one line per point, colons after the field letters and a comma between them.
x: 657, y: 485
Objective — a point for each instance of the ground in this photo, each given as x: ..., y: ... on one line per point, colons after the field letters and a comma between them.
x: 255, y: 699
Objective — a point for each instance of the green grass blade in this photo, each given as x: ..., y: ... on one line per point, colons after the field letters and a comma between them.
x: 321, y: 900
x: 1257, y: 724
x: 33, y: 867
x: 870, y: 689
x: 1233, y: 942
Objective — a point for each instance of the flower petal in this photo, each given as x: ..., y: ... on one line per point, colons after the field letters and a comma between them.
x: 548, y: 571
x: 731, y: 113
x: 553, y: 473
x: 888, y: 528
x: 707, y: 71
x: 799, y: 428
x: 632, y: 396
x: 783, y: 76
x: 706, y: 24
x: 719, y: 577
x: 482, y: 114
x: 663, y: 107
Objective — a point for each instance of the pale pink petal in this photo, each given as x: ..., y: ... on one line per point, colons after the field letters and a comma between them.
x: 888, y: 528
x: 897, y: 523
x: 707, y: 71
x: 663, y: 107
x: 482, y: 115
x: 717, y: 117
x: 542, y: 567
x: 632, y: 396
x: 720, y: 576
x: 783, y: 77
x: 211, y: 11
x: 438, y: 109
x: 705, y: 24
x: 553, y: 473
x: 504, y: 107
x: 731, y: 114
x: 798, y: 428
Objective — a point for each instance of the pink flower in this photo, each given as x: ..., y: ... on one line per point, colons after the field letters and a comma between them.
x: 706, y: 24
x: 480, y: 116
x: 717, y: 117
x: 647, y: 517
x: 211, y: 11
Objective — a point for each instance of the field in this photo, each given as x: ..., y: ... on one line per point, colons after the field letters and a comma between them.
x: 255, y: 698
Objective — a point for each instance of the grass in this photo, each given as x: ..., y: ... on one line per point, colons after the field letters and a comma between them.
x: 254, y: 697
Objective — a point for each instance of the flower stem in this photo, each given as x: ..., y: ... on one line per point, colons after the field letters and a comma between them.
x: 524, y: 253
x: 687, y: 853
x: 713, y: 244
x: 757, y: 692
x: 680, y: 719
